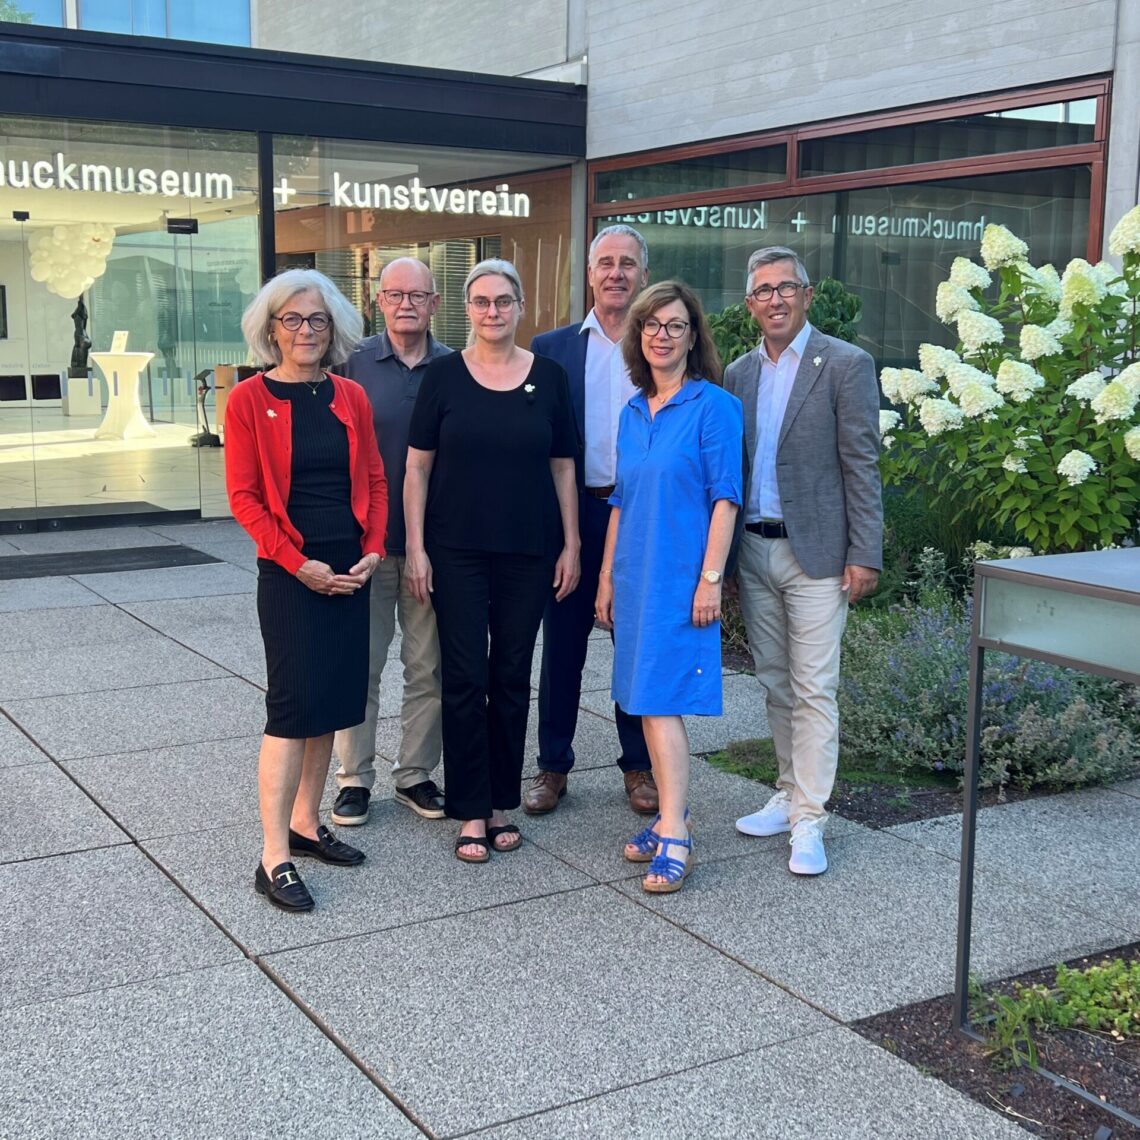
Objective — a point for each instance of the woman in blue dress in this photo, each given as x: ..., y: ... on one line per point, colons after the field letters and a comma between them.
x: 679, y: 486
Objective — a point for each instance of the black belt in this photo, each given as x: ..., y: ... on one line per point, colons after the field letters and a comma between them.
x: 600, y: 492
x: 767, y: 529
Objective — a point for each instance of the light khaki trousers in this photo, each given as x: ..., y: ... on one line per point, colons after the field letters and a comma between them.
x: 794, y: 625
x: 421, y: 741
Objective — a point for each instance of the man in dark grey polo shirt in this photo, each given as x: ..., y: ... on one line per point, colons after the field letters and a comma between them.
x: 389, y: 367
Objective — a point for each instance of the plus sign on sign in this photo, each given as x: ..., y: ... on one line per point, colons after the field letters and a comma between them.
x: 799, y: 221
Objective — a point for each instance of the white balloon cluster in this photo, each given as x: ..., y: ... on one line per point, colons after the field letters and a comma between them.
x: 67, y: 259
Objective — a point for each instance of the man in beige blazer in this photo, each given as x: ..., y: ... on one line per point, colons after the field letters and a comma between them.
x: 813, y: 535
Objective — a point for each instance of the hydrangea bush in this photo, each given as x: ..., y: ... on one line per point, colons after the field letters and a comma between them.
x: 1032, y: 417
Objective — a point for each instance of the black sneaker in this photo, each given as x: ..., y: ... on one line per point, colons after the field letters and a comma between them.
x: 424, y: 799
x: 351, y: 807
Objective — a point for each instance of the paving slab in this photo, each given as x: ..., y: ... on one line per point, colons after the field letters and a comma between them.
x: 219, y: 1052
x: 594, y: 821
x: 169, y: 791
x: 411, y: 875
x: 105, y: 538
x: 597, y: 672
x: 744, y: 716
x: 15, y: 748
x: 833, y: 1085
x: 877, y: 931
x: 86, y: 921
x: 95, y: 724
x: 19, y: 594
x: 1081, y: 849
x: 41, y: 630
x: 171, y: 582
x: 196, y: 533
x: 93, y: 668
x: 1128, y: 788
x: 223, y: 629
x: 555, y: 974
x: 44, y: 813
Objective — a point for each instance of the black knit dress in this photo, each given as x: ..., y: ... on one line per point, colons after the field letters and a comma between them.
x: 316, y: 645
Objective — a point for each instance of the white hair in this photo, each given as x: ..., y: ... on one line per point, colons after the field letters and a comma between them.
x: 346, y: 329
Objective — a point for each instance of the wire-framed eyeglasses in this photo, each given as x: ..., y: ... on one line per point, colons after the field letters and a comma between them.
x: 786, y: 289
x: 674, y: 330
x: 318, y: 322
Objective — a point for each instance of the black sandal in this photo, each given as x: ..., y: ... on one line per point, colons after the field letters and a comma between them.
x: 472, y: 841
x: 493, y: 833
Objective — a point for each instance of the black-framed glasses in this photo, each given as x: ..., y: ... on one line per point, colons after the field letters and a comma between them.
x: 786, y: 289
x: 674, y: 330
x: 396, y: 297
x: 482, y: 304
x: 318, y: 322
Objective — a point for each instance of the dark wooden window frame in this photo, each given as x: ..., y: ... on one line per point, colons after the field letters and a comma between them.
x: 1093, y: 155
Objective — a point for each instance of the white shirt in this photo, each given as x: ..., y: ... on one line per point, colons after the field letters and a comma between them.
x: 608, y: 390
x: 776, y: 379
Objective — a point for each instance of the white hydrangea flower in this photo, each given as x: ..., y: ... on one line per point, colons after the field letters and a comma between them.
x: 1130, y: 378
x: 1132, y: 443
x: 1015, y: 463
x: 889, y: 382
x: 1018, y: 381
x: 1116, y: 402
x: 1020, y: 552
x: 977, y: 400
x: 1125, y: 237
x: 1000, y: 247
x: 934, y: 360
x: 1037, y: 341
x: 1110, y: 278
x: 950, y: 300
x: 937, y: 416
x: 1059, y: 327
x: 888, y: 421
x: 1076, y: 467
x: 976, y: 330
x: 967, y: 274
x: 1049, y: 282
x: 1080, y: 285
x: 960, y: 374
x: 1086, y: 387
x: 913, y: 385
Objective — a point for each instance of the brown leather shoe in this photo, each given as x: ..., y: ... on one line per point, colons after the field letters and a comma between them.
x: 545, y: 790
x: 642, y: 792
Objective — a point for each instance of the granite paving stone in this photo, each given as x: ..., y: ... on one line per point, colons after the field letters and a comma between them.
x: 95, y: 724
x: 1081, y: 849
x: 73, y: 823
x: 171, y: 582
x: 168, y: 791
x: 41, y: 630
x: 1128, y: 788
x: 15, y: 748
x: 555, y: 973
x: 411, y: 874
x: 92, y: 668
x: 594, y: 821
x: 93, y: 919
x: 833, y: 1085
x: 744, y: 716
x: 889, y: 923
x: 18, y: 594
x: 68, y: 541
x: 196, y: 533
x: 219, y: 1052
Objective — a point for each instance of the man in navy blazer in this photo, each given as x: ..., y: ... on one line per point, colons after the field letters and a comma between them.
x: 813, y: 535
x: 599, y: 388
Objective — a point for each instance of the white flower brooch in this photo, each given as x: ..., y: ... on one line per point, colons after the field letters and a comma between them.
x: 817, y: 361
x: 271, y: 413
x: 528, y: 388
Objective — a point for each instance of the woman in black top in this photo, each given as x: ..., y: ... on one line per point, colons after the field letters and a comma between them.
x: 492, y: 520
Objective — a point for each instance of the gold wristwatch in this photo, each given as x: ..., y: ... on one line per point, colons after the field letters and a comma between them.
x: 711, y: 576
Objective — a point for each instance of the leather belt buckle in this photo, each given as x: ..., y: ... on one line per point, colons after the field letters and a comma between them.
x: 767, y: 529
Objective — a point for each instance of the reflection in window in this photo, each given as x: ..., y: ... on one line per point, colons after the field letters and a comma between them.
x: 48, y: 13
x: 707, y: 172
x: 199, y: 20
x: 1058, y: 124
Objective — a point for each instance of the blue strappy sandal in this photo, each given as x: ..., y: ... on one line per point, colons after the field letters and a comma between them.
x: 646, y: 841
x: 672, y: 871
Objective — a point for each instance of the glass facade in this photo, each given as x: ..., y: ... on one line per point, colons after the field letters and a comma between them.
x: 207, y: 22
x: 888, y: 233
x: 128, y: 254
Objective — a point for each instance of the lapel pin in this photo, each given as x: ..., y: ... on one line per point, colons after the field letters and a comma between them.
x: 271, y: 413
x: 817, y: 361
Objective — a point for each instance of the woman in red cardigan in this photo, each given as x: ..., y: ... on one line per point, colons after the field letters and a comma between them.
x: 304, y: 478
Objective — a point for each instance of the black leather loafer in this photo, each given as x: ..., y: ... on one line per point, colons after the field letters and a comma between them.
x: 326, y: 847
x: 283, y: 888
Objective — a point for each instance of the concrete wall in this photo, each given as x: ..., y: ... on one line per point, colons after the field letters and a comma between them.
x: 466, y: 35
x: 682, y: 71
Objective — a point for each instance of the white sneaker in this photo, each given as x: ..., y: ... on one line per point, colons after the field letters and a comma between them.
x: 771, y: 819
x: 808, y: 856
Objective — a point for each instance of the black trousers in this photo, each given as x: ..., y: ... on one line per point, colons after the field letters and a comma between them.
x: 566, y: 628
x: 488, y: 608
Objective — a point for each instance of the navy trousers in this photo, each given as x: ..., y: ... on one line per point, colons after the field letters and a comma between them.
x: 566, y: 627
